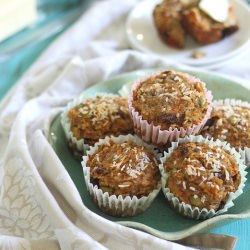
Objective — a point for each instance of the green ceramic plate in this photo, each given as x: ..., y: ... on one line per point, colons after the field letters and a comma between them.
x: 159, y: 219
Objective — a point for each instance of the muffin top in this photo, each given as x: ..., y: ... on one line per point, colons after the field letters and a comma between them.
x: 100, y: 116
x: 231, y: 124
x: 202, y: 175
x: 171, y: 100
x: 125, y: 169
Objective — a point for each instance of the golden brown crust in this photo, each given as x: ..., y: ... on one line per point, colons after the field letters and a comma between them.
x: 231, y: 124
x: 202, y: 175
x: 97, y: 117
x: 124, y: 169
x: 171, y: 100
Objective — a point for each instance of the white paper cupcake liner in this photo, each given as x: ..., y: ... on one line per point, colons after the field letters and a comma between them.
x: 78, y: 146
x: 112, y: 204
x: 186, y: 209
x: 154, y: 134
x: 245, y: 153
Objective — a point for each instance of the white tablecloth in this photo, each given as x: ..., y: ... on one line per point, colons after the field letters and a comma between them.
x: 40, y: 207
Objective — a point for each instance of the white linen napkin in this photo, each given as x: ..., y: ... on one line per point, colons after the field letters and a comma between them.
x: 40, y: 207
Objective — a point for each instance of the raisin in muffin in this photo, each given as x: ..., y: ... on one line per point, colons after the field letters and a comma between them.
x: 122, y: 175
x: 168, y: 105
x: 202, y: 176
x: 85, y: 121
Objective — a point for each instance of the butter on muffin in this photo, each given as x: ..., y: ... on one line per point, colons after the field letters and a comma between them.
x: 122, y: 175
x: 168, y: 105
x: 85, y: 121
x: 230, y: 121
x: 202, y: 177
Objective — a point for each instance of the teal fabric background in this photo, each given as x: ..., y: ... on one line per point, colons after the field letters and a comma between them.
x: 19, y: 51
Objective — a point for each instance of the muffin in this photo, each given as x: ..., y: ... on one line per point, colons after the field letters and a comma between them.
x: 174, y: 19
x: 168, y: 105
x: 122, y: 175
x: 202, y: 177
x: 203, y: 29
x: 86, y: 120
x: 167, y: 20
x: 230, y: 121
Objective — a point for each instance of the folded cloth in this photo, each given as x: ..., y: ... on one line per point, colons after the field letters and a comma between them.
x: 40, y: 207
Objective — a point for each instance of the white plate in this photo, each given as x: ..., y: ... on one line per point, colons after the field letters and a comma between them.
x: 143, y: 36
